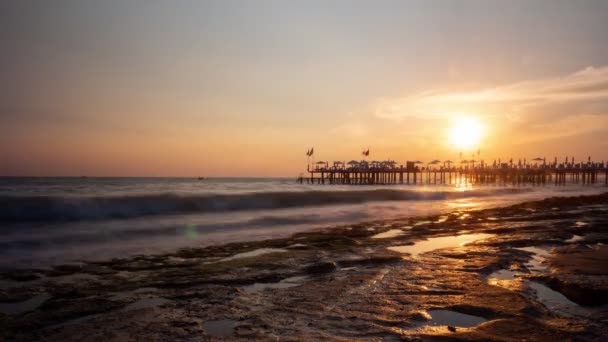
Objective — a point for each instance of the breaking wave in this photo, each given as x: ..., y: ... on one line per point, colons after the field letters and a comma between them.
x: 77, y: 208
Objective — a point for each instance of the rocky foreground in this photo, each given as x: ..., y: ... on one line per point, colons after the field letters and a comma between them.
x: 534, y: 271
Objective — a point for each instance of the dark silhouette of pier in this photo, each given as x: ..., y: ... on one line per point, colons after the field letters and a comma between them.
x: 539, y: 172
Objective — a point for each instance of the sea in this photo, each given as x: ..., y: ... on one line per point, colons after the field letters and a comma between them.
x: 49, y: 221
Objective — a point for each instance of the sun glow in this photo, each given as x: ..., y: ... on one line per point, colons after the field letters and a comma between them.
x: 465, y: 133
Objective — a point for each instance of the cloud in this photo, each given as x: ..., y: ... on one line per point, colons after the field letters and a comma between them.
x: 582, y: 92
x: 352, y: 129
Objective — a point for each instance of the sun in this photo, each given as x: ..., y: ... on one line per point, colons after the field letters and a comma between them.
x: 466, y: 132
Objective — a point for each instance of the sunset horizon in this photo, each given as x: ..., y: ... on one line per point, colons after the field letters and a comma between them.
x: 227, y: 90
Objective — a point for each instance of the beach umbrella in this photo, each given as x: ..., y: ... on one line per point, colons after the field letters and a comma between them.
x: 538, y: 159
x: 353, y: 162
x: 418, y: 162
x: 389, y: 163
x: 434, y: 162
x: 464, y: 161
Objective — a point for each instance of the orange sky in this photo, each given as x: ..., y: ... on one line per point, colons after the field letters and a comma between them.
x: 244, y: 89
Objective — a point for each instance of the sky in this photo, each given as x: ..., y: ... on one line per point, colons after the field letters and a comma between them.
x: 245, y: 88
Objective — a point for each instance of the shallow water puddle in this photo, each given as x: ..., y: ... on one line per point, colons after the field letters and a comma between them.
x: 140, y: 304
x: 504, y: 278
x: 24, y: 306
x: 283, y: 284
x: 453, y: 318
x: 438, y: 243
x: 551, y: 299
x: 502, y: 275
x: 220, y: 328
x: 441, y: 219
x: 388, y: 234
x: 536, y: 262
x: 556, y: 301
x: 421, y: 223
x: 254, y: 253
x: 575, y: 238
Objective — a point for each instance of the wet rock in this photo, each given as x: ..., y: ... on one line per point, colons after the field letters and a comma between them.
x: 374, y: 259
x: 322, y: 268
x: 451, y: 328
x: 583, y: 291
x: 421, y: 316
x: 63, y: 270
x: 19, y: 275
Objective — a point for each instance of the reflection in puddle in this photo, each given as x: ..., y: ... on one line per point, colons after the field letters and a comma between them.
x: 439, y: 242
x: 556, y: 301
x: 388, y: 234
x: 283, y: 284
x: 536, y: 263
x: 220, y: 328
x: 254, y: 253
x: 27, y: 305
x: 504, y: 278
x: 453, y: 318
x: 502, y: 275
x: 551, y: 299
x: 575, y: 238
x: 581, y: 223
x: 422, y: 222
x: 441, y: 219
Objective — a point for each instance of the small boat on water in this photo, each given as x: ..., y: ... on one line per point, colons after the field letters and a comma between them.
x: 201, y: 178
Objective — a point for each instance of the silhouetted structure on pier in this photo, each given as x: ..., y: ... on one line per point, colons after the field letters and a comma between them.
x: 470, y: 172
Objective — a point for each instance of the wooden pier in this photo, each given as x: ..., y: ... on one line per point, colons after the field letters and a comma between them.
x: 387, y: 173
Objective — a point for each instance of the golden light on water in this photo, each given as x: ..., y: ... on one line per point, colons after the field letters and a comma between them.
x: 466, y: 132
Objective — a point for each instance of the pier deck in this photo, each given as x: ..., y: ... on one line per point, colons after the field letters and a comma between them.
x: 584, y: 173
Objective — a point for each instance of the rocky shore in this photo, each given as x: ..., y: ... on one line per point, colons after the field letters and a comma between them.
x: 534, y: 271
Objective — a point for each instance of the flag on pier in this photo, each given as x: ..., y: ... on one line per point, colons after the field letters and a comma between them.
x: 310, y: 152
x: 366, y: 153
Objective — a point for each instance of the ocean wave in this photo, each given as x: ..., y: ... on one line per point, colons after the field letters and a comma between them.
x: 77, y: 208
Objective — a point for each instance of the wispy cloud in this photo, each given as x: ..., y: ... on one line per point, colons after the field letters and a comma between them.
x: 582, y: 92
